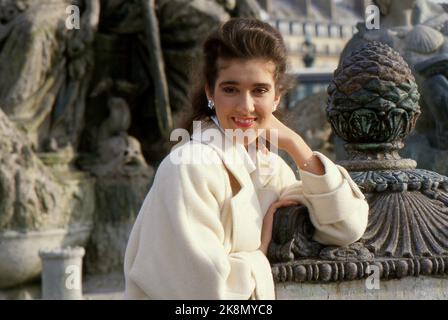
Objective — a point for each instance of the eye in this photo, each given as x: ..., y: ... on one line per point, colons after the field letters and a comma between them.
x: 229, y: 90
x: 260, y: 90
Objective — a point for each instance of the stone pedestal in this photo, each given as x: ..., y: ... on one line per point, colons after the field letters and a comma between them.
x: 422, y: 288
x: 62, y: 273
x: 118, y: 200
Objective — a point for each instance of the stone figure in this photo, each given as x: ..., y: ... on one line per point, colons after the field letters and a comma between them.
x: 118, y: 153
x: 418, y: 30
x: 241, y: 8
x: 44, y: 68
x: 309, y: 52
x: 67, y: 119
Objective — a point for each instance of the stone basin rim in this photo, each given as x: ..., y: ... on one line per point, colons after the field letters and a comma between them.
x: 13, y: 234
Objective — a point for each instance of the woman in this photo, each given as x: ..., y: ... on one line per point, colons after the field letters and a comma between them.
x: 205, y: 226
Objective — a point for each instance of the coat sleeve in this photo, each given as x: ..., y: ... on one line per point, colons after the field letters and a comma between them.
x: 337, y: 207
x: 176, y: 249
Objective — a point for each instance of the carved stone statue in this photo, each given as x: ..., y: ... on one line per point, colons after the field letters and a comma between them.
x: 418, y: 30
x: 123, y: 180
x: 118, y: 153
x: 45, y: 68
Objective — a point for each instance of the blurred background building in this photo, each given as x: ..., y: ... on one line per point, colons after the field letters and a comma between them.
x: 315, y: 32
x: 329, y: 25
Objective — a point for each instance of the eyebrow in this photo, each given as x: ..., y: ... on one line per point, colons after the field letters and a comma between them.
x: 261, y: 84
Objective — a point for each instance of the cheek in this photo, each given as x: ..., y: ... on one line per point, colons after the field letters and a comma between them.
x: 224, y: 104
x: 265, y: 110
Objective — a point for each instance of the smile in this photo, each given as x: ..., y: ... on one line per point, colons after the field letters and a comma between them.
x: 244, y: 122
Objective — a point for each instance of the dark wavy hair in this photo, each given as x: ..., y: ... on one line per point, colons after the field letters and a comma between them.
x: 238, y: 38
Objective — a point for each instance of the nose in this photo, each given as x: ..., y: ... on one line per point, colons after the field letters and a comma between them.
x: 246, y: 104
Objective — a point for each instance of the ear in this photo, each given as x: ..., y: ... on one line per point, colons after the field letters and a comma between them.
x: 276, y: 102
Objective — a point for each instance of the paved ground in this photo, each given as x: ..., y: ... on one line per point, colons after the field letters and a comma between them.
x: 95, y: 287
x: 104, y: 287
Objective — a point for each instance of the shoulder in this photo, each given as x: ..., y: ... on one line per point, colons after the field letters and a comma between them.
x: 195, y: 173
x: 191, y: 154
x: 192, y: 159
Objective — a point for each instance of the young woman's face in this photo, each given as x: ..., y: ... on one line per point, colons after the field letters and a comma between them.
x: 244, y: 94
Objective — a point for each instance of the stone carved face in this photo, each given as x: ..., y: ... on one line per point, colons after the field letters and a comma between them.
x: 132, y: 154
x: 120, y: 154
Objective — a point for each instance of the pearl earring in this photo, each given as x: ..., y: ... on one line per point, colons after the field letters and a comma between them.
x: 211, y: 105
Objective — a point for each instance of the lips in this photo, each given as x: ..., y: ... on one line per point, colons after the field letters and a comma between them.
x: 244, y: 122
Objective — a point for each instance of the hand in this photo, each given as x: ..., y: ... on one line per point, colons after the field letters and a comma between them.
x: 279, y: 134
x: 268, y: 221
x: 286, y: 139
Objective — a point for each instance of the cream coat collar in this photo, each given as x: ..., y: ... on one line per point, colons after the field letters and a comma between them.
x: 240, y: 162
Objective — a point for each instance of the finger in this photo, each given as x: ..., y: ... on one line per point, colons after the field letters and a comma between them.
x: 287, y: 202
x: 277, y: 205
x: 284, y: 204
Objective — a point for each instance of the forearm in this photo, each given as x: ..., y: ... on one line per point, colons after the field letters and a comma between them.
x: 302, y: 154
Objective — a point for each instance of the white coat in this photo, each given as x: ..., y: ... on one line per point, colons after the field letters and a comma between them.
x: 195, y: 239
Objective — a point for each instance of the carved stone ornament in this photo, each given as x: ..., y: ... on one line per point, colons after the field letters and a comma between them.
x: 373, y: 106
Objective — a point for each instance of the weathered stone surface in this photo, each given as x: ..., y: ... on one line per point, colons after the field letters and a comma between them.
x: 19, y: 260
x: 373, y: 99
x: 424, y: 288
x: 39, y: 206
x: 62, y: 273
x: 123, y: 179
x: 35, y: 197
x: 118, y: 200
x: 45, y: 68
x: 417, y: 30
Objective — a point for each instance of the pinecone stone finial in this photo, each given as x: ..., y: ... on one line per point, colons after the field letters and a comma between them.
x: 373, y: 105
